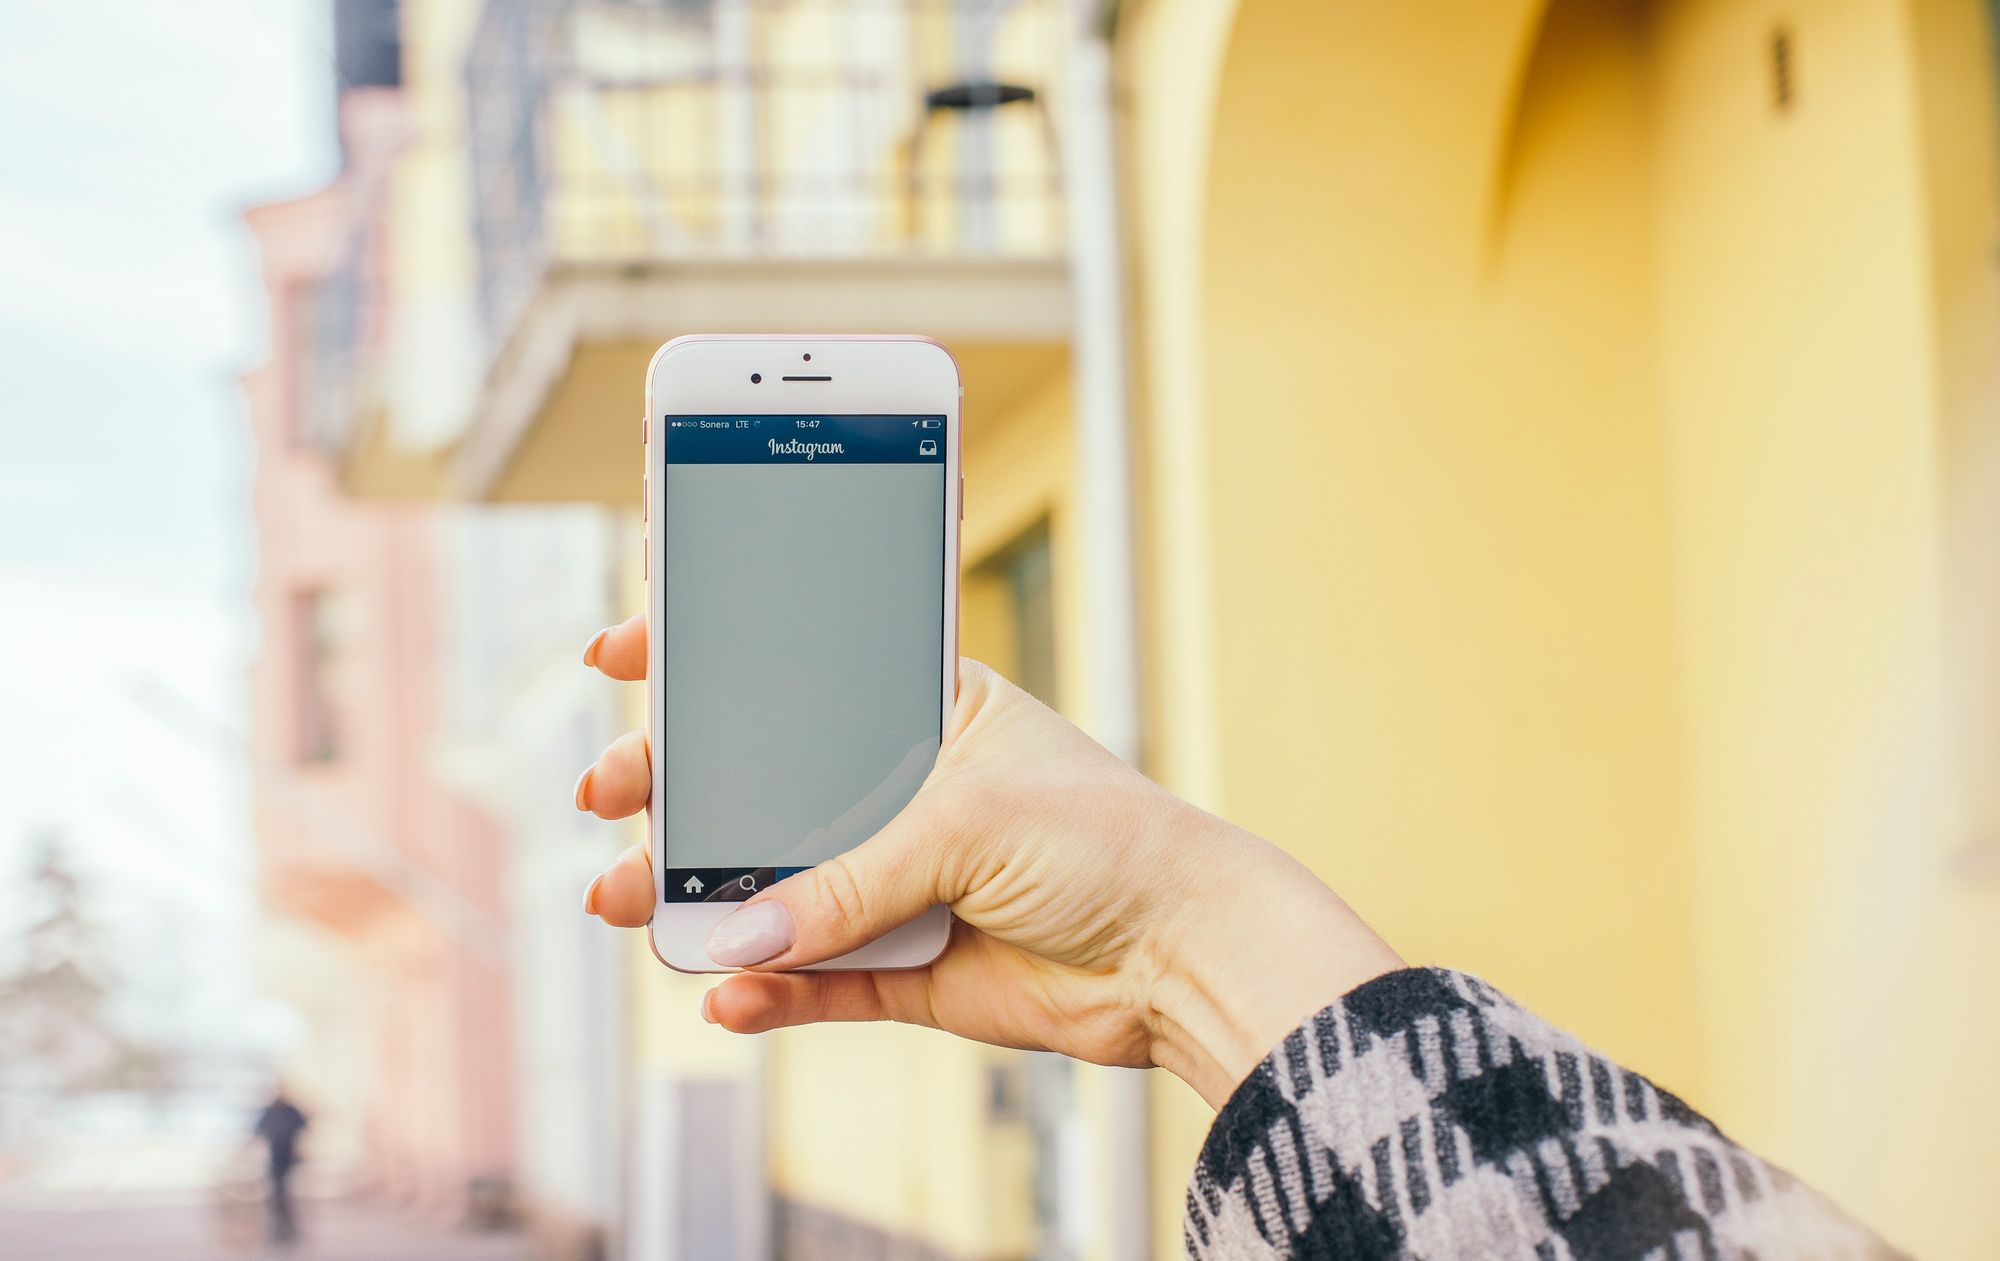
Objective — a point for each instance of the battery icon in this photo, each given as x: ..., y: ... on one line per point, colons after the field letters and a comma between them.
x: 930, y: 424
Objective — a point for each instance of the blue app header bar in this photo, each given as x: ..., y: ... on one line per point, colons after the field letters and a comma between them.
x: 805, y: 439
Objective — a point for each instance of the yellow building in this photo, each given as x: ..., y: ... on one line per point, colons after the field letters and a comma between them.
x: 1570, y: 429
x: 1562, y: 436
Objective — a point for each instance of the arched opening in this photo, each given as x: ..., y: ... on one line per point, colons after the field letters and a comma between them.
x: 1581, y: 390
x: 1431, y: 405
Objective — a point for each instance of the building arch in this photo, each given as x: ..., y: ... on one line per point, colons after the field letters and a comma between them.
x: 1550, y: 427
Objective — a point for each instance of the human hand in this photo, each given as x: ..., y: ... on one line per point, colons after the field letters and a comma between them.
x: 1098, y: 915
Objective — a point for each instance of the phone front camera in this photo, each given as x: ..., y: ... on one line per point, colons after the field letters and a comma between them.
x: 756, y: 377
x: 807, y: 358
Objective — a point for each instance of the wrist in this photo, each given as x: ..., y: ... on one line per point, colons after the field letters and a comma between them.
x: 1250, y: 959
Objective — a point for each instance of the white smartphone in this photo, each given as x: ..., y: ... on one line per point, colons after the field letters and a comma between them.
x: 804, y: 606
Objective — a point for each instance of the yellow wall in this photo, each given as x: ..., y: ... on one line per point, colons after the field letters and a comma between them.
x: 889, y: 1125
x: 1800, y: 352
x: 1019, y: 462
x: 1959, y: 1094
x: 1433, y: 579
x: 1543, y: 482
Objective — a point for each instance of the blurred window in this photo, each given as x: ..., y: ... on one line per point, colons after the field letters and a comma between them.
x: 1022, y: 574
x: 298, y: 329
x: 367, y: 44
x: 316, y: 736
x: 1004, y: 1090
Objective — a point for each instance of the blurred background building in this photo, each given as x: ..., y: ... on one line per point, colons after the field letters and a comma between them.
x: 552, y: 185
x: 1535, y: 460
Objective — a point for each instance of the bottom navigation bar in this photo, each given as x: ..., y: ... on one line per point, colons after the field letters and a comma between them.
x: 720, y: 884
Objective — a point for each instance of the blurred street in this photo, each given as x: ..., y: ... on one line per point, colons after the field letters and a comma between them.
x: 334, y: 1232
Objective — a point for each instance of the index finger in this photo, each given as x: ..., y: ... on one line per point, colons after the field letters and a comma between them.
x: 619, y: 651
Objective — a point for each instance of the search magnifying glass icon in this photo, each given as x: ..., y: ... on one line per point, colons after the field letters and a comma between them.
x: 748, y: 883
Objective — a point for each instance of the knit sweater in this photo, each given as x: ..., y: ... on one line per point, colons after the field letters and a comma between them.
x: 1425, y: 1115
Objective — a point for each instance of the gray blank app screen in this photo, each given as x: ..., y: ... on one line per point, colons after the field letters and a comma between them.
x: 804, y: 618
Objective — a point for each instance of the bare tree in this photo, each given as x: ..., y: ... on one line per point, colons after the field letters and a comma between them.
x: 57, y: 1026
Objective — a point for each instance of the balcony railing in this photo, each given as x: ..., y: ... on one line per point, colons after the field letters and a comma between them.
x: 630, y: 132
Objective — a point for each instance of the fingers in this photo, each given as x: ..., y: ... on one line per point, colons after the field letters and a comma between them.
x: 833, y: 908
x: 623, y: 896
x: 619, y: 651
x: 619, y: 783
x: 976, y: 989
x: 754, y: 1002
x: 842, y: 904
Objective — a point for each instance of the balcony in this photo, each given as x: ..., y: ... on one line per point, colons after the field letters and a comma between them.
x: 641, y: 170
x: 345, y: 401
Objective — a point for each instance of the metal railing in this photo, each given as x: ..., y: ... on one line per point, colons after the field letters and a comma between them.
x: 637, y: 131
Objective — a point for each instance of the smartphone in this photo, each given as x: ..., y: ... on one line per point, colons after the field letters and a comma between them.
x: 804, y: 602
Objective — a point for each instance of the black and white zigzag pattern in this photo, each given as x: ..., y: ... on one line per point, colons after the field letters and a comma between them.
x: 1425, y: 1115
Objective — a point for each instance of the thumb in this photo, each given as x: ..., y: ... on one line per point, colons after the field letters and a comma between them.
x: 842, y: 904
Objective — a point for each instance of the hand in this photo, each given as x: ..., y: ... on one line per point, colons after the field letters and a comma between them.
x: 1098, y: 914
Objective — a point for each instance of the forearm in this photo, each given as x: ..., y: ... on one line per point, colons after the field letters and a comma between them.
x: 1426, y: 1115
x: 1237, y: 979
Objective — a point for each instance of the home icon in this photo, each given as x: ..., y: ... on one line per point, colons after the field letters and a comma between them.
x: 693, y: 885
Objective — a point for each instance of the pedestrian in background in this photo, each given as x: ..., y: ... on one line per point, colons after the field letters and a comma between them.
x: 279, y: 1126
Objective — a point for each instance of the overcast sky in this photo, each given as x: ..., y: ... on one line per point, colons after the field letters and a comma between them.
x: 132, y: 134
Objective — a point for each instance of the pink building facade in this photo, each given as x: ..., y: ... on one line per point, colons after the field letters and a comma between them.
x: 384, y: 887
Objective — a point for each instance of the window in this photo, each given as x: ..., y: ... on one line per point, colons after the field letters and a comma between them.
x: 315, y: 734
x: 295, y: 329
x: 1008, y: 612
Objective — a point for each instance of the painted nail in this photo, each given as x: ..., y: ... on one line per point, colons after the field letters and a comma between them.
x: 590, y: 649
x: 590, y: 895
x: 583, y: 788
x: 707, y: 1008
x: 751, y: 935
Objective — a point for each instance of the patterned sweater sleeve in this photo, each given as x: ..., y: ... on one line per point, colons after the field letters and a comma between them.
x: 1425, y: 1115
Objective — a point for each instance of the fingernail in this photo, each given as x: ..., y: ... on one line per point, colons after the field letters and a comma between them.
x: 707, y: 997
x: 590, y: 895
x: 590, y: 649
x: 583, y: 788
x: 751, y: 935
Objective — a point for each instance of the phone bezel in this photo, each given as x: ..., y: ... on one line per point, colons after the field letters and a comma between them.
x: 709, y: 374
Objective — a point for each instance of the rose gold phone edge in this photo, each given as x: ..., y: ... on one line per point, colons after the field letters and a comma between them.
x: 678, y: 931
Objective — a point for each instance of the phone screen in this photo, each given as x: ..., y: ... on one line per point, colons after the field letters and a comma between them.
x: 802, y: 606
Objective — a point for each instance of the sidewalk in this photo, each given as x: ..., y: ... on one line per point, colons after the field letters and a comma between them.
x: 340, y: 1231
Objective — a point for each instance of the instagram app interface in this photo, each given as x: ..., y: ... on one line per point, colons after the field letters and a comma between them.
x: 803, y: 615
